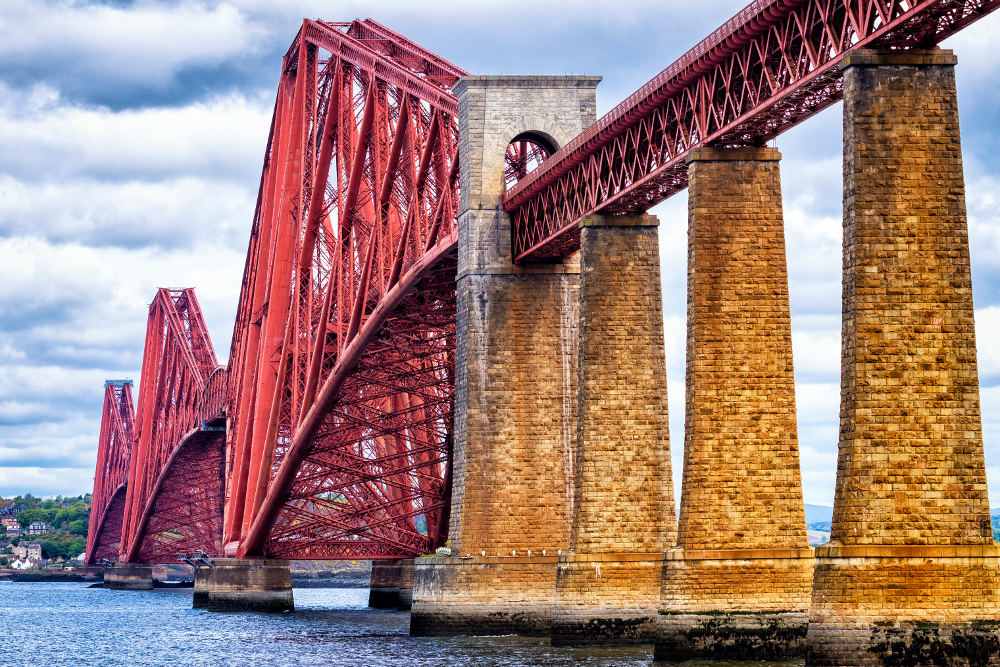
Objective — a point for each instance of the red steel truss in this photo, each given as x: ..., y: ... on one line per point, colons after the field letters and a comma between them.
x: 113, y: 452
x: 767, y: 69
x: 338, y: 402
x: 342, y: 362
x: 172, y: 502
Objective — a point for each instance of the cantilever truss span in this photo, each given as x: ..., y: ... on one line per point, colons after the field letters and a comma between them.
x: 342, y: 360
x: 114, y: 451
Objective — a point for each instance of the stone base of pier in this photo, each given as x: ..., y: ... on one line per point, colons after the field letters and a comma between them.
x: 734, y: 604
x: 244, y: 584
x: 405, y: 585
x: 491, y: 595
x: 905, y: 605
x: 607, y: 599
x: 129, y: 577
x: 391, y: 584
x: 383, y: 592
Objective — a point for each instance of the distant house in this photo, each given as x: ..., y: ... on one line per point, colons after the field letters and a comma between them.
x: 30, y: 552
x: 20, y: 565
x: 39, y: 528
x: 8, y: 521
x: 13, y: 531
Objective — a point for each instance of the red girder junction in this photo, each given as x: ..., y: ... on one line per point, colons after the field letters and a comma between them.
x: 767, y: 69
x: 341, y: 372
x: 114, y: 450
x: 173, y: 495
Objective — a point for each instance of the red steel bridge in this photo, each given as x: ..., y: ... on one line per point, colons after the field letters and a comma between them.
x: 329, y: 433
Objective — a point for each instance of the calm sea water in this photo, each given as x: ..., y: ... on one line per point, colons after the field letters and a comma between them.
x: 52, y: 624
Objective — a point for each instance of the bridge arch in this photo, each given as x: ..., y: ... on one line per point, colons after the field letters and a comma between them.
x: 108, y: 531
x: 548, y: 132
x: 328, y: 446
x: 184, y: 511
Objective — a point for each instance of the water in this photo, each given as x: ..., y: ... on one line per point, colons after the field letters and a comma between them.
x: 52, y: 624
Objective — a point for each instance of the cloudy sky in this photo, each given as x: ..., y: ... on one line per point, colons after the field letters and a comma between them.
x: 131, y: 138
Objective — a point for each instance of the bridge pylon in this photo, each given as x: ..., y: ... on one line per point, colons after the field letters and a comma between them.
x: 516, y: 365
x: 911, y: 574
x: 243, y: 584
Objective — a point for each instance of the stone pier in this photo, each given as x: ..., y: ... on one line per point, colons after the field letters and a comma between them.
x: 129, y: 577
x: 737, y: 586
x: 244, y: 584
x: 391, y: 584
x: 608, y: 586
x: 405, y: 584
x: 516, y: 366
x: 911, y: 574
x: 383, y: 593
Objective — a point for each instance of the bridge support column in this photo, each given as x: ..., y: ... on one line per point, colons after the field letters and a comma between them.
x: 608, y: 586
x: 129, y: 577
x: 244, y: 584
x: 738, y: 585
x: 515, y: 380
x: 405, y: 584
x: 911, y: 574
x: 391, y: 584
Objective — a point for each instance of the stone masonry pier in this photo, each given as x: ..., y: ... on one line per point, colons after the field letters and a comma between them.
x: 608, y: 586
x: 516, y: 375
x: 244, y: 584
x: 737, y: 585
x: 391, y: 584
x: 129, y: 577
x: 911, y: 574
x: 562, y: 517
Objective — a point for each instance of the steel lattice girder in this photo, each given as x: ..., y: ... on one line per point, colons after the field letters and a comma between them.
x: 184, y: 510
x: 767, y: 69
x: 340, y: 424
x: 114, y: 450
x: 180, y: 389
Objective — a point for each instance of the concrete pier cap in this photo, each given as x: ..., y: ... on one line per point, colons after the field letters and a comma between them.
x: 244, y: 584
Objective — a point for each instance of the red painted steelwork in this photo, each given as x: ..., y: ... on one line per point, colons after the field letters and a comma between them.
x: 107, y: 530
x: 184, y: 510
x: 114, y: 450
x: 767, y: 69
x: 339, y: 397
x: 342, y: 361
x: 181, y: 388
x: 523, y: 157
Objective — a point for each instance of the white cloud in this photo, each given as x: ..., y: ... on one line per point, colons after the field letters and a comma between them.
x: 144, y: 45
x: 53, y: 139
x: 45, y: 481
x: 172, y: 213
